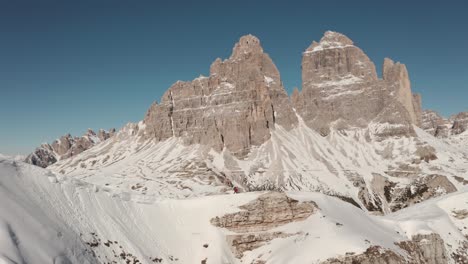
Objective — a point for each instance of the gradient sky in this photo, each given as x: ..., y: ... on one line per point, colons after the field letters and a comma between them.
x: 66, y: 66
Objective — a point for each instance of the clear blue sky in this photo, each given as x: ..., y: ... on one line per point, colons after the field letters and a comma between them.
x: 68, y: 65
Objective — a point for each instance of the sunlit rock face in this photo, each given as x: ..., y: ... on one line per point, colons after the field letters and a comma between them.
x: 66, y: 146
x: 441, y: 127
x: 236, y: 107
x: 340, y: 89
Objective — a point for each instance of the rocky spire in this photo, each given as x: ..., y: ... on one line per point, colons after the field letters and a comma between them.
x: 417, y: 104
x: 396, y: 75
x: 246, y: 46
x: 340, y: 87
x: 236, y: 107
x: 335, y: 58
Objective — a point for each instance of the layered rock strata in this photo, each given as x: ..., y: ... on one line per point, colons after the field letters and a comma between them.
x: 268, y: 211
x: 341, y: 89
x: 66, y: 147
x: 236, y: 107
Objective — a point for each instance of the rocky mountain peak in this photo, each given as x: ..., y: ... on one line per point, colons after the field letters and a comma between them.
x: 397, y: 78
x: 394, y: 71
x: 67, y: 146
x: 247, y: 44
x: 335, y: 58
x: 236, y: 107
x: 460, y: 123
x: 340, y: 83
x: 334, y: 39
x: 330, y: 40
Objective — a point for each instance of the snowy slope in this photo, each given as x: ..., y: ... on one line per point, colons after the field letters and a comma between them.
x: 29, y: 234
x: 77, y: 218
x: 345, y: 163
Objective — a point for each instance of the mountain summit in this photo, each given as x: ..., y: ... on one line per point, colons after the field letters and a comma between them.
x: 340, y: 88
x: 345, y: 147
x: 236, y: 107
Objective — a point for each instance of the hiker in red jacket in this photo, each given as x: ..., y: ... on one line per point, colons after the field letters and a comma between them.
x: 236, y: 190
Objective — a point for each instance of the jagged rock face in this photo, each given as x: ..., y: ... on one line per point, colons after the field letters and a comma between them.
x: 236, y: 107
x: 43, y: 156
x: 268, y: 211
x: 417, y: 104
x: 340, y: 88
x: 335, y: 75
x: 418, y: 191
x: 397, y: 79
x: 436, y: 125
x: 388, y: 196
x: 66, y: 146
x: 421, y: 249
x: 335, y: 58
x: 428, y: 249
x: 460, y: 123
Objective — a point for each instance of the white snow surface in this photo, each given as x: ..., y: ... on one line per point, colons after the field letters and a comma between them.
x: 47, y: 217
x: 155, y: 200
x: 300, y: 159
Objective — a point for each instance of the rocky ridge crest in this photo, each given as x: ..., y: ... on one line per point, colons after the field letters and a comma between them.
x: 66, y: 147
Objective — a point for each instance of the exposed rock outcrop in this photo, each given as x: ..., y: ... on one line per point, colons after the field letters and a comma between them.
x: 340, y: 89
x: 427, y: 249
x: 418, y: 111
x: 397, y: 78
x: 435, y: 124
x: 236, y: 107
x: 386, y: 196
x: 441, y: 127
x: 268, y: 211
x: 421, y: 249
x: 66, y: 146
x: 460, y: 123
x: 418, y: 191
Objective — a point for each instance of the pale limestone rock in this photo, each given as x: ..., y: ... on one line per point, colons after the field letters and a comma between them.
x: 335, y: 58
x: 417, y: 104
x: 460, y: 123
x: 435, y: 124
x: 340, y: 89
x: 236, y: 107
x: 268, y: 211
x: 397, y: 78
x: 421, y: 249
x: 66, y: 147
x: 426, y: 249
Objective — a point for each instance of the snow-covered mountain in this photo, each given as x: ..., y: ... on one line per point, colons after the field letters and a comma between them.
x: 442, y: 127
x: 346, y: 171
x: 66, y: 146
x: 51, y: 218
x: 347, y: 133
